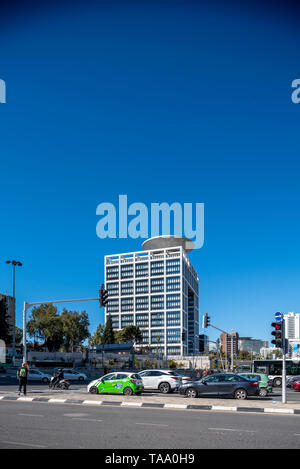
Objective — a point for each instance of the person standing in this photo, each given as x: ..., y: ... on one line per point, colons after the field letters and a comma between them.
x: 22, y: 374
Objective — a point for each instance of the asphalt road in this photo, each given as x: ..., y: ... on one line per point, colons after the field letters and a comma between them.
x: 43, y: 425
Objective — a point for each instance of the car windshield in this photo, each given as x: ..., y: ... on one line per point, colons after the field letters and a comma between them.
x: 136, y: 376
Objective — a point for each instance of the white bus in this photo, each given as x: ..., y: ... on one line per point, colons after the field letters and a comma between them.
x: 273, y: 368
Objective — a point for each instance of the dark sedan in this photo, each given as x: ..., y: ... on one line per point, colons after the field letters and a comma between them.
x: 221, y: 384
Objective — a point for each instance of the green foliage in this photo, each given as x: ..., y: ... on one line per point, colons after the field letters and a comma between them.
x: 129, y: 334
x: 108, y: 333
x: 66, y: 331
x: 172, y: 364
x: 97, y: 338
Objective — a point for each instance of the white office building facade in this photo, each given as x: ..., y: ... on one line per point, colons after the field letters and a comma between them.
x: 157, y: 290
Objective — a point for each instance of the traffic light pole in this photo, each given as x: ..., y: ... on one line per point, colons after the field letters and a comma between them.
x: 231, y: 334
x: 283, y: 383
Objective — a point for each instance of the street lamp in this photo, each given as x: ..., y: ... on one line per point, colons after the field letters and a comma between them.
x: 14, y: 264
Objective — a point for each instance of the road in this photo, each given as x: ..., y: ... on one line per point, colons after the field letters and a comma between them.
x: 44, y: 425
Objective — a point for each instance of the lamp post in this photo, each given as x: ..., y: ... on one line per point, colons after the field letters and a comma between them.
x: 14, y: 264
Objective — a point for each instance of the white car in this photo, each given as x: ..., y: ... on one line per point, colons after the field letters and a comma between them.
x: 163, y: 381
x: 74, y: 375
x: 36, y: 375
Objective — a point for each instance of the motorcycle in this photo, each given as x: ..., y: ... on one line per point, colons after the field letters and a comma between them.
x: 62, y: 384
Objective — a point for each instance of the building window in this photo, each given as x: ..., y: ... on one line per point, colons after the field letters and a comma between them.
x: 115, y: 321
x: 112, y: 288
x: 127, y: 271
x: 173, y: 336
x: 127, y: 304
x: 157, y: 302
x: 157, y: 319
x: 173, y: 266
x: 141, y: 286
x: 173, y: 283
x: 126, y: 288
x: 112, y: 306
x: 142, y: 320
x: 112, y: 273
x: 141, y: 303
x: 126, y: 320
x: 157, y: 268
x: 173, y: 318
x: 173, y: 301
x: 142, y: 269
x: 157, y: 285
x: 157, y: 337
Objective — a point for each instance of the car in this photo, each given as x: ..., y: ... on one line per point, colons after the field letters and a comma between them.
x: 164, y: 381
x: 37, y: 375
x: 221, y: 384
x: 119, y: 382
x: 296, y: 385
x: 71, y: 374
x: 264, y: 384
x: 291, y: 379
x: 183, y: 377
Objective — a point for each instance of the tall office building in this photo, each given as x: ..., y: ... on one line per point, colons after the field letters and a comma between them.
x: 292, y: 325
x: 157, y: 290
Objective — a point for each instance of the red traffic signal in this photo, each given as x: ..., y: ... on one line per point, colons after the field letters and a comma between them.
x: 103, y: 296
x: 278, y: 333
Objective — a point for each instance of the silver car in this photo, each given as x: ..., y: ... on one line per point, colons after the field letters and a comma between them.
x: 163, y: 381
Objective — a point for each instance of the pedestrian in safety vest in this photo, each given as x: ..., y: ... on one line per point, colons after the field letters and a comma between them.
x: 22, y: 374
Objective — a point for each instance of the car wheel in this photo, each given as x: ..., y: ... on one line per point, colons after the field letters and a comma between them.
x: 45, y: 380
x: 277, y: 382
x: 191, y: 392
x: 94, y: 390
x: 164, y: 388
x: 128, y: 392
x: 81, y: 378
x: 240, y: 394
x: 263, y: 392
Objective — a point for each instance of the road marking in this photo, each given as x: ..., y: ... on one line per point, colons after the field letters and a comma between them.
x: 86, y: 419
x: 29, y: 399
x: 92, y: 402
x: 32, y: 415
x: 152, y: 424
x: 139, y: 404
x: 24, y: 444
x: 57, y: 400
x: 231, y: 430
x: 220, y: 407
x: 175, y: 406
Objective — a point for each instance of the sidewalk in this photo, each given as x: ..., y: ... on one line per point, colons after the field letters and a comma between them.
x: 253, y: 404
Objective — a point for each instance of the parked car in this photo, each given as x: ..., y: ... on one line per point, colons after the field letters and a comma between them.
x: 264, y: 384
x: 296, y: 385
x: 164, y: 381
x: 37, y: 375
x: 221, y: 384
x: 121, y: 382
x: 291, y: 379
x: 71, y: 374
x: 184, y: 378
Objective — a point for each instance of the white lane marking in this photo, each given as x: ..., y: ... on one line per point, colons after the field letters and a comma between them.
x: 86, y: 419
x: 32, y: 415
x: 231, y: 430
x: 23, y: 444
x: 152, y: 424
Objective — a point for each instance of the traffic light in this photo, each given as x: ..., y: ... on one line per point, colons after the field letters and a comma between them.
x: 206, y: 321
x: 103, y: 296
x: 278, y: 333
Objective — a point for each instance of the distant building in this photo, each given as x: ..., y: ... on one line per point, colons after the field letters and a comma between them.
x: 248, y: 344
x: 292, y: 325
x: 10, y: 302
x: 203, y: 343
x: 227, y: 342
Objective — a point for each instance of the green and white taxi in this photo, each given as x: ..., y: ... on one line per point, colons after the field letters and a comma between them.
x: 118, y: 382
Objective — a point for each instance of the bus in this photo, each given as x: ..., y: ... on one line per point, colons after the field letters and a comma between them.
x: 273, y: 368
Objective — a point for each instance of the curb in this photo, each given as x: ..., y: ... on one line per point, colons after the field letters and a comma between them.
x: 151, y: 405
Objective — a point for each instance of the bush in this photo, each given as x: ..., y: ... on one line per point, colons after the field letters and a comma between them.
x: 172, y: 364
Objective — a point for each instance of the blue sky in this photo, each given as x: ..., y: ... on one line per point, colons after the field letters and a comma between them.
x: 164, y: 102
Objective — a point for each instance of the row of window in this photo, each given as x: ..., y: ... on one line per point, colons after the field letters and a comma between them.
x: 141, y: 303
x: 142, y: 269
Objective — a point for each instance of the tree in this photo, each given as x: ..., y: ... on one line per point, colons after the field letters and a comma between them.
x: 129, y: 334
x: 97, y: 338
x: 45, y: 324
x: 75, y: 329
x: 108, y: 333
